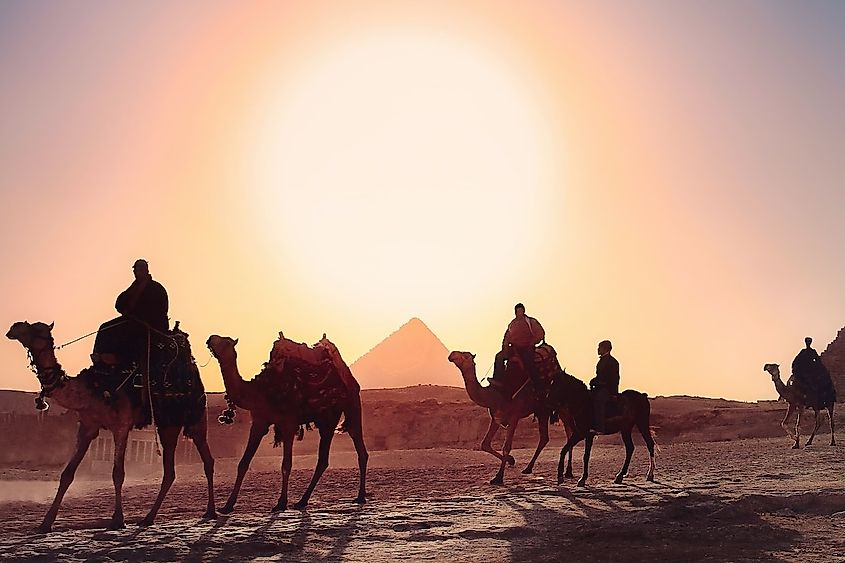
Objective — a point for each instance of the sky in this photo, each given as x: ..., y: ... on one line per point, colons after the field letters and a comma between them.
x: 664, y: 175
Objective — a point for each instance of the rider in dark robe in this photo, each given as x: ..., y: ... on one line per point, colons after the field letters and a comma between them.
x: 604, y: 385
x: 143, y: 307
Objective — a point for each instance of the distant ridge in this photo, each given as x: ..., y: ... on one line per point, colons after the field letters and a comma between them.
x: 411, y: 355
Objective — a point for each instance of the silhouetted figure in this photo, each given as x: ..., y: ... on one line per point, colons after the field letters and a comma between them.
x: 605, y: 384
x: 521, y: 337
x: 145, y: 299
x: 143, y: 304
x: 810, y: 375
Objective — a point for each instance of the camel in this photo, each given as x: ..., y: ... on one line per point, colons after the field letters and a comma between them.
x: 798, y: 401
x: 118, y: 416
x: 272, y: 399
x: 507, y: 411
x: 570, y: 393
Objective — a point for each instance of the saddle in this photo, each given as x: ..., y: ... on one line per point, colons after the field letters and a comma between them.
x: 173, y: 382
x: 305, y: 374
x: 545, y: 360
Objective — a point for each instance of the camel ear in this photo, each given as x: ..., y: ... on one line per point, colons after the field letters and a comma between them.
x: 473, y: 356
x: 236, y: 341
x: 324, y: 336
x: 51, y: 325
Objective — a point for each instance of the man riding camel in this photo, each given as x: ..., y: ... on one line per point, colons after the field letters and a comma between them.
x: 143, y: 306
x: 523, y: 334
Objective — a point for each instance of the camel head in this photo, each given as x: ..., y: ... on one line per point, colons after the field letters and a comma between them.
x: 35, y: 337
x: 222, y: 347
x: 463, y: 360
x: 773, y: 369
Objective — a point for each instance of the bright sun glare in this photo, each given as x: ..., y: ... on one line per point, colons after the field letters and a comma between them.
x: 401, y: 169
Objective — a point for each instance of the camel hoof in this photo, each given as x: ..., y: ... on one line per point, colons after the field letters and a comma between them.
x: 796, y: 447
x: 559, y: 480
x: 618, y: 479
x: 511, y: 461
x: 209, y: 515
x: 497, y: 481
x: 227, y: 509
x: 582, y: 482
x: 280, y: 507
x: 360, y: 500
x: 569, y: 475
x: 528, y: 471
x: 650, y: 478
x: 301, y: 505
x: 833, y: 442
x: 44, y: 529
x: 119, y: 524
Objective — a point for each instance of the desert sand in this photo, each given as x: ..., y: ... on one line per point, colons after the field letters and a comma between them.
x: 737, y: 500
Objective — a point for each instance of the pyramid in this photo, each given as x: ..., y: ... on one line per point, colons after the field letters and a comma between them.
x: 833, y: 358
x: 412, y: 355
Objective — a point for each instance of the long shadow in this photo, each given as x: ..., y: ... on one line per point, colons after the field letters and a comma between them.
x: 676, y: 528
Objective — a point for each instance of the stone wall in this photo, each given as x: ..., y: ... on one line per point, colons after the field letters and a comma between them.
x: 834, y: 359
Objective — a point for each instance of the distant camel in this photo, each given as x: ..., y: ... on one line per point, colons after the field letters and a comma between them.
x: 570, y: 393
x: 119, y: 415
x: 287, y: 401
x: 506, y: 409
x: 799, y: 400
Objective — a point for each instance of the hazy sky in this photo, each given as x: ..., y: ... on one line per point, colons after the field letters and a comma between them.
x: 666, y: 175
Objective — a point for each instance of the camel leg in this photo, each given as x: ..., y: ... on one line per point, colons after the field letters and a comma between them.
x: 486, y: 443
x: 783, y: 424
x: 256, y: 432
x: 629, y: 451
x: 830, y: 417
x: 326, y: 435
x: 199, y: 434
x: 169, y: 439
x: 118, y: 474
x: 797, y: 430
x: 643, y: 425
x: 356, y: 432
x: 543, y: 424
x: 84, y: 437
x: 287, y: 464
x: 818, y: 423
x: 499, y: 479
x: 576, y: 437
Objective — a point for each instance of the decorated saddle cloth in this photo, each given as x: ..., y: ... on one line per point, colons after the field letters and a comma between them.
x: 309, y: 372
x: 175, y: 386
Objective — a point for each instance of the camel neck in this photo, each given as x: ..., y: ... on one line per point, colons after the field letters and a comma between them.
x: 780, y: 386
x: 236, y: 387
x: 483, y: 396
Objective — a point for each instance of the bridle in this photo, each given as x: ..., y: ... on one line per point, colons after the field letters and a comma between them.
x: 51, y: 377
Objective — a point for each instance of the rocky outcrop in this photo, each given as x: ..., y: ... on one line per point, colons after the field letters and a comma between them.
x: 834, y: 360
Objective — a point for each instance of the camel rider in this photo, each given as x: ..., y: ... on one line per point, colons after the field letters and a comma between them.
x: 811, y: 375
x: 522, y: 336
x: 604, y: 385
x: 145, y: 300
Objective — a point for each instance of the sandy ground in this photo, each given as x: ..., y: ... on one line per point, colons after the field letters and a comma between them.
x: 745, y: 500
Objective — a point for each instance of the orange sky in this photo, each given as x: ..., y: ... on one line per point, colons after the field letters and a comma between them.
x: 667, y: 177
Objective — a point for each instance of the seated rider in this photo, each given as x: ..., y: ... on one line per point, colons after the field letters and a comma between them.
x: 808, y: 372
x: 143, y: 304
x: 604, y: 385
x: 521, y: 337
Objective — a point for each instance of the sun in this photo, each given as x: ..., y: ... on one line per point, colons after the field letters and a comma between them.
x: 402, y: 169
